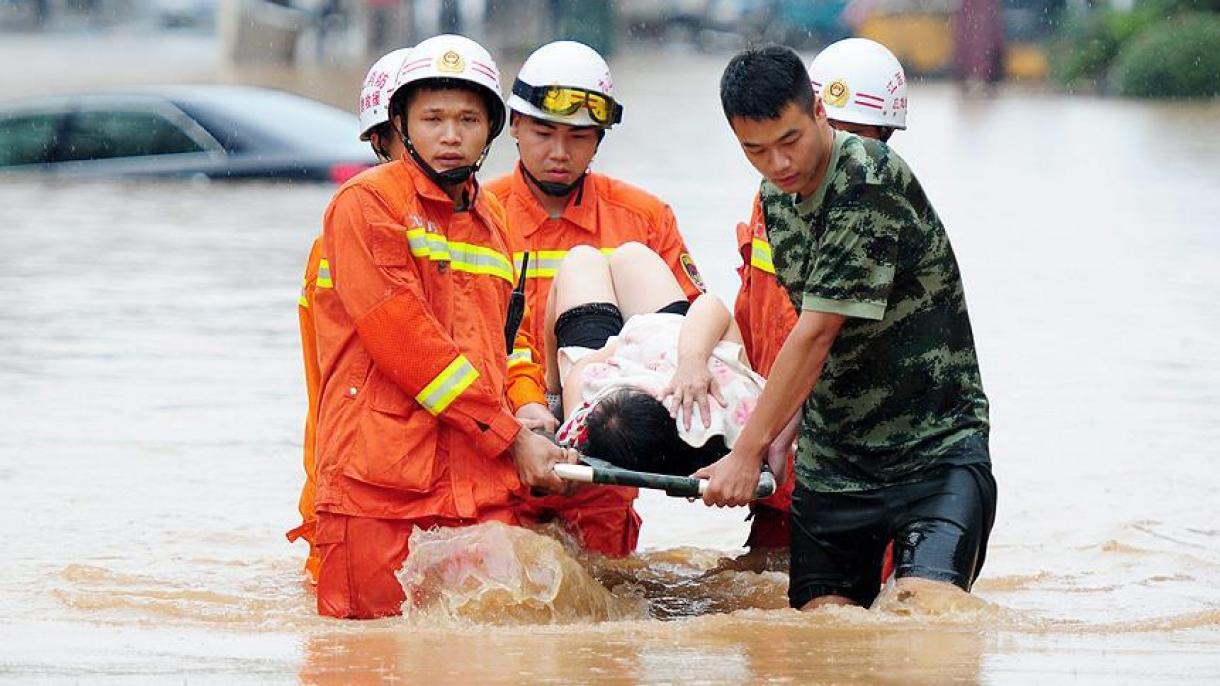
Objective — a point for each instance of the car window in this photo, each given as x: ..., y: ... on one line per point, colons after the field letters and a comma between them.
x: 103, y: 134
x: 28, y: 138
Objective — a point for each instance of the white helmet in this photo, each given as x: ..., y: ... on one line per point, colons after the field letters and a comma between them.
x: 373, y: 107
x: 458, y: 58
x: 560, y: 66
x: 860, y: 81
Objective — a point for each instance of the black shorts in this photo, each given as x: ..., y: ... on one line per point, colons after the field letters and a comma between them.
x: 590, y: 325
x: 939, y: 527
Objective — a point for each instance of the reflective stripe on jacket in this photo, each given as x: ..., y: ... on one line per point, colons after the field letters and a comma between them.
x: 610, y: 213
x: 317, y: 275
x: 414, y: 418
x: 765, y: 315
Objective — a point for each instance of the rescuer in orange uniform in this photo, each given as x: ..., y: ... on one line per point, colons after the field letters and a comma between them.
x: 373, y: 110
x: 562, y: 105
x: 414, y: 421
x: 765, y: 316
x: 763, y: 310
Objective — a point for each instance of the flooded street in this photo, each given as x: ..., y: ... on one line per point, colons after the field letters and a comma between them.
x: 154, y: 404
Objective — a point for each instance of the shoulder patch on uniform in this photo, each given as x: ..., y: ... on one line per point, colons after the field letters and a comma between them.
x: 692, y: 272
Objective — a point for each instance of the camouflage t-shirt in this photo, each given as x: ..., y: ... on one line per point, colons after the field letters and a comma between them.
x: 900, y: 392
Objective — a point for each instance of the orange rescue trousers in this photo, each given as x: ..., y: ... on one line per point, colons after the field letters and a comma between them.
x: 601, y: 517
x: 360, y: 558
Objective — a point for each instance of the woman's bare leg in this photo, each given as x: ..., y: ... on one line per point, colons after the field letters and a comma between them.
x: 550, y: 346
x: 582, y: 277
x: 642, y: 280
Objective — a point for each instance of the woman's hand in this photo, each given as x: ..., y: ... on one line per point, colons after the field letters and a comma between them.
x: 691, y: 385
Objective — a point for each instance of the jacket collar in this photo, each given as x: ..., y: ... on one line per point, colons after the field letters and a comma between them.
x: 428, y: 189
x: 583, y: 215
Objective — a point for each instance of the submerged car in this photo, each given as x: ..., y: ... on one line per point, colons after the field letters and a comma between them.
x: 221, y: 132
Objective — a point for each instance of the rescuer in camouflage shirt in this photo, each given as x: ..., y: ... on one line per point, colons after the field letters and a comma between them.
x: 900, y: 388
x: 893, y: 433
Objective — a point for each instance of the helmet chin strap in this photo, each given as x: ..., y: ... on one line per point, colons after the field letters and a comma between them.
x: 560, y: 190
x: 449, y: 177
x: 554, y: 189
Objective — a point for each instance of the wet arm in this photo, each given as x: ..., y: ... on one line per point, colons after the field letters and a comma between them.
x: 799, y: 366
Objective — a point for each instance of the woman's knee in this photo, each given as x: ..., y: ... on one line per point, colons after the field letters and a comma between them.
x: 583, y: 276
x: 634, y: 260
x: 584, y: 259
x: 632, y: 252
x: 642, y: 280
x: 584, y: 253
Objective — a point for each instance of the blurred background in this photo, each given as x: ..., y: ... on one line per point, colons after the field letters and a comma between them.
x: 1154, y: 48
x: 60, y: 50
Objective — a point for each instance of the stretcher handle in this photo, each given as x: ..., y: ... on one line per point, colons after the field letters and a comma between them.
x: 677, y: 486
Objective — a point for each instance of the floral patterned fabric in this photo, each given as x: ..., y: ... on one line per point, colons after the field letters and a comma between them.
x: 646, y: 358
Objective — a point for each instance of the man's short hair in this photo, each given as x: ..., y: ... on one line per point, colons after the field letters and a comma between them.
x: 760, y: 82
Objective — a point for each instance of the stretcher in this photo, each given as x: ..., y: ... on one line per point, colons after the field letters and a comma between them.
x: 595, y: 471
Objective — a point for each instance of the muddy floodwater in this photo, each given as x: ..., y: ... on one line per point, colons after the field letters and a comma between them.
x: 153, y: 401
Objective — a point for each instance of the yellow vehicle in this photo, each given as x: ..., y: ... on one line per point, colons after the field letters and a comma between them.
x: 920, y: 34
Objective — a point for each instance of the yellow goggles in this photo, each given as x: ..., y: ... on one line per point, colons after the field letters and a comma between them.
x: 565, y: 101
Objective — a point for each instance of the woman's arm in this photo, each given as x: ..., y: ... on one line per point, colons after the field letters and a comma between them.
x: 705, y: 325
x: 733, y: 335
x: 707, y: 322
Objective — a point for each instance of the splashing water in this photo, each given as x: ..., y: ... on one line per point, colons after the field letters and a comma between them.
x: 496, y: 574
x: 493, y: 573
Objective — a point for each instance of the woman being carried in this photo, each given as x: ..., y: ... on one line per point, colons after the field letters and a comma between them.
x: 649, y: 381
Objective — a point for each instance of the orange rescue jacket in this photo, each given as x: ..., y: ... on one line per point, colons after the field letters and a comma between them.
x: 523, y: 386
x: 609, y: 214
x: 414, y: 419
x: 765, y: 315
x: 313, y: 377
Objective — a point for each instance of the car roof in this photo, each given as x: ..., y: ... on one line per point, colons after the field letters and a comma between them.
x: 241, y: 118
x: 266, y: 116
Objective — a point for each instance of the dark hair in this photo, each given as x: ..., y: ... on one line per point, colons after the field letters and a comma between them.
x: 631, y: 429
x: 760, y: 82
x: 383, y: 131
